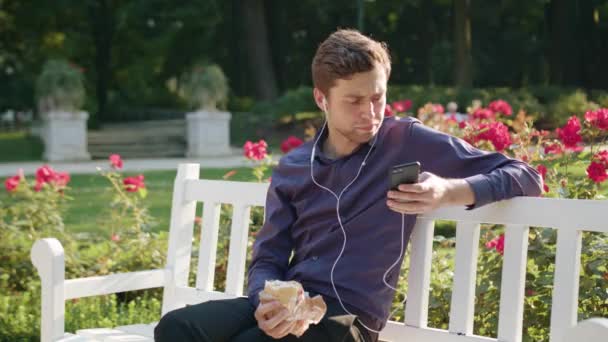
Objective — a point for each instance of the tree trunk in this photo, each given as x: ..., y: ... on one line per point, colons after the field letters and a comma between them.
x: 588, y: 46
x: 463, y: 60
x: 564, y: 53
x: 101, y: 17
x: 258, y: 49
x: 427, y: 33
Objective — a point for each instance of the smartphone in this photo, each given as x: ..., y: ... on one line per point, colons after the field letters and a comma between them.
x: 403, y: 174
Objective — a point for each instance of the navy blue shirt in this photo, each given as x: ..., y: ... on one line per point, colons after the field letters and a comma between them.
x: 301, y: 218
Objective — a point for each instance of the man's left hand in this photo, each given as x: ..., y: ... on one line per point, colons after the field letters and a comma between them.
x: 429, y: 193
x: 300, y: 328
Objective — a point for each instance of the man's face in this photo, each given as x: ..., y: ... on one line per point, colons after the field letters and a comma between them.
x: 356, y: 105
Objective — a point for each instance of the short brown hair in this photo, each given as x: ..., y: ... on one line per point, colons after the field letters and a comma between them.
x: 344, y: 53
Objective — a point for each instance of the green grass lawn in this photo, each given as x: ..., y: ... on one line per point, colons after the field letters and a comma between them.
x: 19, y: 146
x: 91, y: 197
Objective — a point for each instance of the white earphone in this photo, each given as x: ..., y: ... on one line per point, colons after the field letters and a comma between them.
x: 338, y: 197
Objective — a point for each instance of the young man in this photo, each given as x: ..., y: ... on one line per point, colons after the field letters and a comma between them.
x: 329, y: 204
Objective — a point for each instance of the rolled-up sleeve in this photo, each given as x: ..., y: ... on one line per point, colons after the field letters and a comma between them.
x: 491, y: 175
x: 273, y: 244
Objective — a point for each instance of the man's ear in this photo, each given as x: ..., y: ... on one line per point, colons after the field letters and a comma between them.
x: 320, y: 99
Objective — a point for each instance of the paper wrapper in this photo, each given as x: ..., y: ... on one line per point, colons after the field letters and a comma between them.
x: 300, y: 306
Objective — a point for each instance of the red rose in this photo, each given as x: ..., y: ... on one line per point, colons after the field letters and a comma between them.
x: 483, y: 114
x: 570, y: 133
x: 12, y: 183
x: 388, y: 110
x: 601, y: 157
x: 542, y: 169
x: 290, y: 143
x: 555, y: 148
x: 597, y: 172
x: 115, y: 161
x: 255, y: 151
x: 501, y: 106
x: 402, y: 106
x: 45, y: 175
x: 497, y: 243
x: 133, y: 184
x: 62, y: 179
x: 598, y: 118
x: 496, y: 133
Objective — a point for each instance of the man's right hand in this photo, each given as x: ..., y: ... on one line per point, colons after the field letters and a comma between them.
x: 271, y: 319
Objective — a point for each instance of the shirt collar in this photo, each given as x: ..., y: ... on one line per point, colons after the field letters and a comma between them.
x: 363, y: 148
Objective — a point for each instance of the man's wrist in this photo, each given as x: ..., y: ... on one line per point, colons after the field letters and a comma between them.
x: 459, y: 192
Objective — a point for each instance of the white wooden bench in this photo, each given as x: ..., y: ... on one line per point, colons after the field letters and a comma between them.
x: 567, y: 216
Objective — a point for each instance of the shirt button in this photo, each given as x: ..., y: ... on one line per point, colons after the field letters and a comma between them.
x: 315, y: 258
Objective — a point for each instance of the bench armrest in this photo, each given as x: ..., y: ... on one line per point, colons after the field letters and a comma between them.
x: 48, y: 257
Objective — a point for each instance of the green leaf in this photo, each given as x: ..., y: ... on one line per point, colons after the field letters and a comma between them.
x: 143, y: 192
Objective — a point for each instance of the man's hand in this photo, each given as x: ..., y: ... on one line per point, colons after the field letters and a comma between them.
x: 300, y: 328
x: 429, y: 193
x: 271, y: 319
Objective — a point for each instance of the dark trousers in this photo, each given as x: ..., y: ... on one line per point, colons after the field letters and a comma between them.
x: 233, y: 320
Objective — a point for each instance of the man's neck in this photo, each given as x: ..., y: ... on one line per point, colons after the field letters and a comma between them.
x: 337, y: 146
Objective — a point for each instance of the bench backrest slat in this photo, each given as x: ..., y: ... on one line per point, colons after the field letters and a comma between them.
x: 208, y: 246
x: 419, y: 276
x: 239, y: 236
x: 465, y: 271
x: 565, y: 288
x: 511, y: 314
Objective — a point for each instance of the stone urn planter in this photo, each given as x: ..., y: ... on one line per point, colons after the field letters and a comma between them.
x: 65, y: 136
x: 60, y: 93
x: 205, y: 88
x: 208, y: 133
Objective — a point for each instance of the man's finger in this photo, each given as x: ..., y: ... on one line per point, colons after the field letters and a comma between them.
x: 265, y: 308
x: 300, y: 328
x: 276, y: 319
x: 418, y: 187
x: 282, y: 329
x: 408, y: 208
x: 400, y: 196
